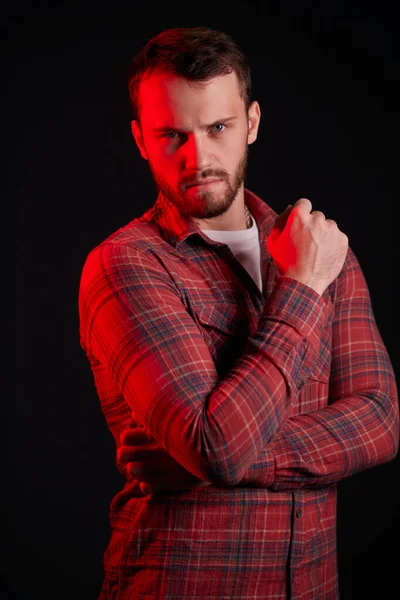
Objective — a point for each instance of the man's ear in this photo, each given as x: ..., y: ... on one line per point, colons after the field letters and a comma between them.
x: 137, y: 134
x: 254, y: 116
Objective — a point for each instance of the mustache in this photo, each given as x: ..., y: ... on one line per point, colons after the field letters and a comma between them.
x: 186, y: 182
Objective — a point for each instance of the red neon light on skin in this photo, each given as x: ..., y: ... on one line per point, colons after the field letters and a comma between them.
x: 191, y: 134
x: 280, y: 244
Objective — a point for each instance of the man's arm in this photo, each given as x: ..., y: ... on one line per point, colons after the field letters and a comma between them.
x: 360, y: 427
x: 134, y: 322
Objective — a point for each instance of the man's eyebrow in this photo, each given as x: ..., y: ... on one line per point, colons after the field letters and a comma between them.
x: 167, y: 128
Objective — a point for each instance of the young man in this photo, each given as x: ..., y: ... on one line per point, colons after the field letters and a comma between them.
x: 235, y: 354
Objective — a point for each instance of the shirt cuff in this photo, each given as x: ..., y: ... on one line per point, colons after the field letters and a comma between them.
x: 301, y: 307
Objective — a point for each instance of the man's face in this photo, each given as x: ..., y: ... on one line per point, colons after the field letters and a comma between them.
x: 195, y: 136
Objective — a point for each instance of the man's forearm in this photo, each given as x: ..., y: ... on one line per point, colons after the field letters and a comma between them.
x: 328, y: 445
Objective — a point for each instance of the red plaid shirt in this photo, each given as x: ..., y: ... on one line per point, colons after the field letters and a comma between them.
x: 272, y: 396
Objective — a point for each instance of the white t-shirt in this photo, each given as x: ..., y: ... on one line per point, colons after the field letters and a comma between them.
x: 245, y: 246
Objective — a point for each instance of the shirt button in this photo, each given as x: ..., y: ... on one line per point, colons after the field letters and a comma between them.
x: 299, y: 512
x: 300, y: 384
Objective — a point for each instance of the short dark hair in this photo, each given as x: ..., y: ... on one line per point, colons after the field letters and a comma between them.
x: 195, y: 53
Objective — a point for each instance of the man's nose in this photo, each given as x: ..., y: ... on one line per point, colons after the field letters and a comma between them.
x: 196, y: 151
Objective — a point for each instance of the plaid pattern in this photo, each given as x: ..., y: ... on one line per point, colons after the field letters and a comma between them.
x: 272, y: 396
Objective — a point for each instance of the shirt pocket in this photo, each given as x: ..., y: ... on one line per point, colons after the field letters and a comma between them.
x: 322, y: 368
x: 225, y: 329
x: 314, y: 393
x: 319, y: 368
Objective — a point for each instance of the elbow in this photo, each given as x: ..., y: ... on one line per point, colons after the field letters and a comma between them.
x: 224, y: 472
x: 389, y: 452
x: 389, y: 447
x: 220, y: 476
x: 395, y: 435
x: 395, y: 428
x: 224, y: 461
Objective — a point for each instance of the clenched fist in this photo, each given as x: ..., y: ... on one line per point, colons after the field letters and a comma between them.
x: 307, y: 247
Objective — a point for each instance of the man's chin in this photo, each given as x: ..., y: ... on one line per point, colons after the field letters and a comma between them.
x: 209, y: 205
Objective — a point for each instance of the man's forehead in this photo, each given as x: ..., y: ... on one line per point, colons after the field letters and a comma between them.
x: 167, y: 95
x: 166, y: 79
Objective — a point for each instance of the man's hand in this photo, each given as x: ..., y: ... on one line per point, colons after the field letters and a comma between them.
x: 307, y: 247
x: 151, y: 467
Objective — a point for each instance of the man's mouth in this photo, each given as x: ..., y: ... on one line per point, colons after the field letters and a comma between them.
x: 209, y: 181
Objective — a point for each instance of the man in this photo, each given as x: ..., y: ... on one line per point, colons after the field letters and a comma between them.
x: 235, y: 354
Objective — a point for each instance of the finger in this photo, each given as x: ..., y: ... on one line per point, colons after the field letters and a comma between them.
x: 152, y: 488
x: 132, y: 490
x: 125, y: 454
x: 128, y: 453
x: 281, y: 219
x: 318, y: 214
x: 131, y: 437
x: 303, y: 204
x: 148, y: 472
x: 151, y: 467
x: 145, y: 451
x: 149, y: 488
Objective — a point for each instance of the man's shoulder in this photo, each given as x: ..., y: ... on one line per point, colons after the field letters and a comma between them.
x: 134, y: 243
x: 139, y: 234
x: 133, y: 248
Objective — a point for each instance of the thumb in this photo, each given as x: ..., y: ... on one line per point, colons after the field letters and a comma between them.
x: 281, y: 219
x: 279, y: 224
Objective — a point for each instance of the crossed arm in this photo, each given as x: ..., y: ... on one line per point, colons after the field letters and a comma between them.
x: 198, y: 444
x: 240, y: 430
x: 135, y: 325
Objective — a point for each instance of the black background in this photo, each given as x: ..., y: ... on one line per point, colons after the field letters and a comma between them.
x: 326, y: 77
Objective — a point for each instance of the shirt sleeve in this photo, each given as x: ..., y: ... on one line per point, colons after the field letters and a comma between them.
x: 134, y: 322
x: 360, y: 426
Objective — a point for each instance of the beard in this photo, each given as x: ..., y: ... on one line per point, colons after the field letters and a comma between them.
x: 205, y: 205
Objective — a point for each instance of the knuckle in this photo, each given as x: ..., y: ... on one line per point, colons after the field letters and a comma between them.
x: 126, y: 437
x: 301, y: 204
x: 135, y: 468
x: 124, y: 454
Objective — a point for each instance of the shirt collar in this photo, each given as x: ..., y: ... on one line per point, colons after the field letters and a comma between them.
x: 175, y: 227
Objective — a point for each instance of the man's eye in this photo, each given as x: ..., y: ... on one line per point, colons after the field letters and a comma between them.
x: 219, y: 127
x: 173, y: 135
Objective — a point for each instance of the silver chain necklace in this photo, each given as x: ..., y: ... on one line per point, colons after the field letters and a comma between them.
x: 248, y: 217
